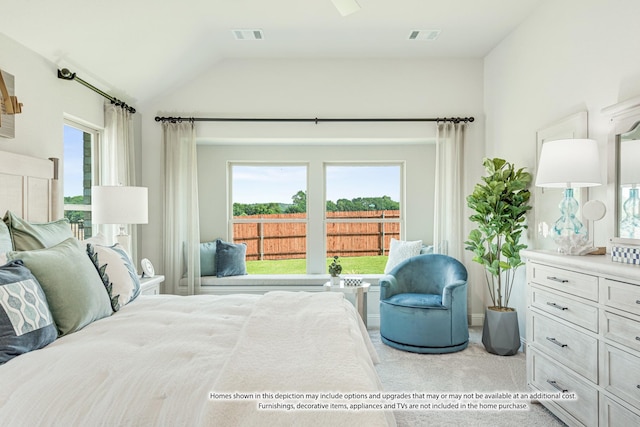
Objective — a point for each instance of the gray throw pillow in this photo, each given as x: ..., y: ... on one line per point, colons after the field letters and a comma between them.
x: 25, y: 320
x: 71, y: 283
x: 27, y: 235
x: 230, y: 259
x: 208, y: 258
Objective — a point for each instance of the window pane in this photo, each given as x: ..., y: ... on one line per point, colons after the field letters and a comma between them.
x: 363, y: 215
x: 275, y: 196
x: 78, y: 173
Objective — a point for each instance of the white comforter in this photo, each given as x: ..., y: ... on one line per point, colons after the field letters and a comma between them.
x: 157, y: 361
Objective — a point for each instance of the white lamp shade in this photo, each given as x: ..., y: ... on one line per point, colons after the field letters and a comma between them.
x: 569, y: 163
x: 630, y: 162
x: 119, y: 205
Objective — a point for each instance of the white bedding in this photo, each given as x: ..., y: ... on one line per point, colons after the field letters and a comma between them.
x: 156, y: 361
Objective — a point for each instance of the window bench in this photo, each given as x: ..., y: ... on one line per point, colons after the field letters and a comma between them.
x: 261, y: 283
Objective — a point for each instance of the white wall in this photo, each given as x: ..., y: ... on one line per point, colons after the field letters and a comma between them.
x: 46, y: 100
x: 569, y: 56
x: 316, y: 88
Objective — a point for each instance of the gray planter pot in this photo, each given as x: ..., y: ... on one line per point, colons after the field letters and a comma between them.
x: 500, y: 333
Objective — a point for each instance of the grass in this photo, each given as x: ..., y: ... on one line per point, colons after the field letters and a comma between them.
x: 350, y: 265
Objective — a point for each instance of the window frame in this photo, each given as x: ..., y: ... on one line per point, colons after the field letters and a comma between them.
x: 96, y: 144
x: 230, y: 218
x: 401, y: 201
x: 316, y: 219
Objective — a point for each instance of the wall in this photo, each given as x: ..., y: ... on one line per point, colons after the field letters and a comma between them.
x: 569, y: 56
x: 315, y: 88
x: 46, y: 100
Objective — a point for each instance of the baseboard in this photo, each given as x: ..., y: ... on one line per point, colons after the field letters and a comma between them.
x: 476, y: 319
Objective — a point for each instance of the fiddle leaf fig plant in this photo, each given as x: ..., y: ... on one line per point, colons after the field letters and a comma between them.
x: 500, y: 202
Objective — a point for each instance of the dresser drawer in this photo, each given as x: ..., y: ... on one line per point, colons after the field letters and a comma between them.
x: 571, y: 282
x: 565, y: 307
x: 612, y: 414
x: 620, y: 374
x: 573, y: 348
x: 620, y: 329
x: 620, y: 295
x: 549, y: 377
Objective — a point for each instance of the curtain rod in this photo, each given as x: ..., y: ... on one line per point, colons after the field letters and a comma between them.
x: 65, y: 74
x: 315, y: 120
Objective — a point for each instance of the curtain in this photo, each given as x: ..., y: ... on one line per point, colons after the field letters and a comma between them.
x: 117, y: 161
x: 448, y: 216
x: 181, y: 223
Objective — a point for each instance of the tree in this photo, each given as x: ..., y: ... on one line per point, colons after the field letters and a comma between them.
x: 299, y: 203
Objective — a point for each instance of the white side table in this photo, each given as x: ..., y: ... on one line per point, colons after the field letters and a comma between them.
x: 361, y: 295
x: 151, y: 285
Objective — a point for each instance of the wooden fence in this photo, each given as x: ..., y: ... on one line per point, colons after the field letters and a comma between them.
x: 266, y: 240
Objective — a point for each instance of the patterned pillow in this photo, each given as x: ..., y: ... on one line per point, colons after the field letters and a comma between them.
x: 25, y: 320
x: 117, y: 272
x: 400, y: 250
x: 27, y: 235
x: 70, y: 282
x: 230, y: 259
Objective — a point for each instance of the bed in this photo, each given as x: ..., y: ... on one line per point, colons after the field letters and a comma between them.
x: 283, y: 358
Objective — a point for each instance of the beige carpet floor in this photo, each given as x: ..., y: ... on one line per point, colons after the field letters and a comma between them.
x: 472, y: 370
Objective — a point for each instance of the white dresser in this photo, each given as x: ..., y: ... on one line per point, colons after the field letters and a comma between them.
x: 583, y: 337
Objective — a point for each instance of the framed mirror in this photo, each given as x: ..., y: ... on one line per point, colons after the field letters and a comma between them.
x: 628, y: 184
x: 546, y: 201
x: 624, y: 168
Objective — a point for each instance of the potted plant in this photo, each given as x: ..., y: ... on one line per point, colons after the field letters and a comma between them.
x: 334, y: 270
x: 500, y: 202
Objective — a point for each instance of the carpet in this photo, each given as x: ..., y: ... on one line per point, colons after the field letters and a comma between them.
x: 472, y: 370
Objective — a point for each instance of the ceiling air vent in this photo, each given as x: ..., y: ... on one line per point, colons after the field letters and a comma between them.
x: 248, y: 34
x: 424, y: 34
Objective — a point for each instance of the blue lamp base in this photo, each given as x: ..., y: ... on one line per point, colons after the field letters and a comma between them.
x: 568, y: 232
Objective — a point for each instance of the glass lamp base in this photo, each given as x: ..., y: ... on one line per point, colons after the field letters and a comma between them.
x: 568, y: 232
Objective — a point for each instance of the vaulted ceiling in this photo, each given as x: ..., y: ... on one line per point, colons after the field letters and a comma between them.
x: 138, y: 49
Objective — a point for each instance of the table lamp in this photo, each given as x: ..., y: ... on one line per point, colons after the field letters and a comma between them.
x: 569, y: 164
x: 630, y: 181
x: 119, y: 205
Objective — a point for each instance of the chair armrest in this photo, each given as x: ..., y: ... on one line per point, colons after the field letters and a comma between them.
x: 452, y: 291
x: 388, y: 286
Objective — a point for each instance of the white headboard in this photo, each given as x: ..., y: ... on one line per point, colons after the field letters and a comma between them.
x: 29, y: 186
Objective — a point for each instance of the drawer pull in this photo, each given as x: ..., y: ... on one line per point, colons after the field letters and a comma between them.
x: 556, y: 279
x: 559, y: 307
x: 638, y: 301
x: 557, y: 386
x: 637, y: 338
x: 556, y: 342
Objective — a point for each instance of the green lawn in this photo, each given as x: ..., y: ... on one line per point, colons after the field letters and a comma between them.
x: 350, y: 265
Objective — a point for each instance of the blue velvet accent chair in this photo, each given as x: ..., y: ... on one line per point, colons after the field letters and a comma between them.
x: 423, y: 305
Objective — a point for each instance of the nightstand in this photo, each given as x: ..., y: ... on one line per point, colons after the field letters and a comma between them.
x: 361, y: 295
x: 151, y: 285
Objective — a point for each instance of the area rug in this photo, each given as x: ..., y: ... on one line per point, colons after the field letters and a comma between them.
x: 489, y: 378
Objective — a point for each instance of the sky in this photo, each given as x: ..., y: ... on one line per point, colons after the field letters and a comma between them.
x: 72, y: 161
x: 264, y: 184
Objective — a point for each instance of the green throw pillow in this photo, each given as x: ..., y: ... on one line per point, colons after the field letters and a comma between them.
x: 5, y: 238
x: 27, y: 235
x: 71, y: 283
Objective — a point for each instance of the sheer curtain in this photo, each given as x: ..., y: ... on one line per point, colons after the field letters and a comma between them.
x: 449, y: 204
x: 117, y: 161
x: 181, y: 223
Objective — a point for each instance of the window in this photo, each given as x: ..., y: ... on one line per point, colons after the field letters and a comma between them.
x: 362, y: 214
x: 356, y: 218
x: 79, y: 175
x: 269, y: 214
